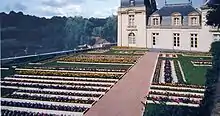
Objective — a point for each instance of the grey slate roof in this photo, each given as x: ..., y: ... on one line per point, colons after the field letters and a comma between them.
x: 183, y: 9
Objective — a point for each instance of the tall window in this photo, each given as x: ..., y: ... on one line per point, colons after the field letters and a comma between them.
x: 131, y: 38
x: 155, y: 21
x: 176, y: 21
x: 176, y: 39
x: 193, y: 21
x: 194, y: 40
x: 131, y: 20
x: 154, y: 37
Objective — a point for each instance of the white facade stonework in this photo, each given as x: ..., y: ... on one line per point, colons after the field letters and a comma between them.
x: 173, y: 27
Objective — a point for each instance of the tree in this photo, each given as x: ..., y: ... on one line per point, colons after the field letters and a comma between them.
x: 213, y: 15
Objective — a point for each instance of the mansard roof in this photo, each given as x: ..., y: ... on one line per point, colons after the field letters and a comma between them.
x: 169, y: 9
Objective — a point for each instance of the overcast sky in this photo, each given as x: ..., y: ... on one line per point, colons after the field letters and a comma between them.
x: 86, y: 8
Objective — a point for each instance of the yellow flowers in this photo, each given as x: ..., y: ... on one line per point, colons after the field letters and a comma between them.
x: 56, y: 73
x: 101, y: 59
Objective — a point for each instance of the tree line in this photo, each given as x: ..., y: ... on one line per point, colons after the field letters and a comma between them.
x: 25, y: 34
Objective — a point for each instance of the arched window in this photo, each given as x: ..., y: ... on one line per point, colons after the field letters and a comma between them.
x: 131, y: 38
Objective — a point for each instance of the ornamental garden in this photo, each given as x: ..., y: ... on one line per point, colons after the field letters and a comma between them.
x: 71, y: 85
x: 67, y: 85
x: 178, y: 84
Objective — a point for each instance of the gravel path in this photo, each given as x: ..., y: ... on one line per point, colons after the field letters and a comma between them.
x: 125, y: 98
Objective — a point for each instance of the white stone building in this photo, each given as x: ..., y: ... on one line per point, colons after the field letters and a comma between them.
x: 172, y: 27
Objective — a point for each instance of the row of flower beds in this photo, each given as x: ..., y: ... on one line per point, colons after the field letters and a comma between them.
x: 157, y: 71
x: 60, y: 83
x: 176, y: 89
x: 98, y: 51
x: 179, y: 85
x: 60, y: 93
x: 82, y: 69
x: 42, y: 106
x: 68, y: 74
x: 168, y: 55
x: 197, y: 54
x: 51, y: 99
x: 202, y: 62
x: 101, y: 59
x: 168, y: 72
x: 130, y: 52
x: 67, y: 79
x: 177, y: 100
x: 23, y: 113
x: 53, y: 86
x: 175, y: 94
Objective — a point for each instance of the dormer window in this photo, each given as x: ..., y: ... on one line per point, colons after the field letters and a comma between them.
x: 193, y: 21
x: 155, y: 21
x: 132, y: 2
x: 176, y: 21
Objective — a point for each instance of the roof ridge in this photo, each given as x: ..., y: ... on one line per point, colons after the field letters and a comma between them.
x: 179, y: 4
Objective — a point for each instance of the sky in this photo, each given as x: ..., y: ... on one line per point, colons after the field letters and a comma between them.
x: 85, y: 8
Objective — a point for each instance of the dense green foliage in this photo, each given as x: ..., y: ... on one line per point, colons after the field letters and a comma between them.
x: 169, y: 110
x: 213, y: 15
x: 212, y: 77
x: 24, y: 34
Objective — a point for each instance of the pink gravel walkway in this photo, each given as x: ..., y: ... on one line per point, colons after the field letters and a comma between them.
x: 125, y: 98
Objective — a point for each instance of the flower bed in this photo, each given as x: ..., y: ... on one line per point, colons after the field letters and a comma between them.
x: 60, y: 93
x: 168, y: 72
x: 51, y: 99
x: 42, y: 106
x: 179, y: 85
x: 177, y: 100
x: 202, y: 62
x: 68, y: 79
x: 176, y: 89
x: 168, y: 55
x: 53, y: 86
x: 102, y: 59
x: 81, y: 69
x: 60, y: 83
x: 175, y: 94
x: 55, y: 73
x: 197, y: 54
x: 23, y: 113
x: 98, y: 51
x: 157, y: 71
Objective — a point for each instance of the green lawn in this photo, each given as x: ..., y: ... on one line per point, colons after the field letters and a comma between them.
x: 5, y: 73
x: 193, y: 75
x: 5, y: 92
x: 168, y: 110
